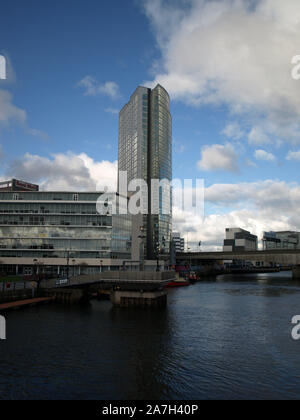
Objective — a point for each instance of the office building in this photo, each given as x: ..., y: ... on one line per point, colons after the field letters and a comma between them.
x: 17, y: 185
x: 281, y: 240
x: 239, y: 240
x: 59, y: 233
x: 178, y: 242
x: 145, y: 152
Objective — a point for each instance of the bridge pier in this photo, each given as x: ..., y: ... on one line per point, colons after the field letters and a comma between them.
x: 66, y: 296
x: 126, y: 298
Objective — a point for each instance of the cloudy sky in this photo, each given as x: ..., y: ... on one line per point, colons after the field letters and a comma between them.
x: 227, y: 65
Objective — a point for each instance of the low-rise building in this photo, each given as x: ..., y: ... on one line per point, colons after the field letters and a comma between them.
x: 17, y: 185
x: 64, y: 233
x: 238, y: 239
x: 178, y: 242
x: 281, y: 240
x: 59, y: 233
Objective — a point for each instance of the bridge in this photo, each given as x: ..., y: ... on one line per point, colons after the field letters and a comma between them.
x: 283, y: 257
x: 271, y: 256
x: 126, y: 288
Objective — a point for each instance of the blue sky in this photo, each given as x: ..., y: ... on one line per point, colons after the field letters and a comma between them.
x: 226, y: 65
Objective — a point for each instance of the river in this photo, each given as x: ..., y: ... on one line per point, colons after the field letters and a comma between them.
x: 223, y: 339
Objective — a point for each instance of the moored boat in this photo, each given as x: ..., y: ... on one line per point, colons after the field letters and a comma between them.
x: 178, y: 283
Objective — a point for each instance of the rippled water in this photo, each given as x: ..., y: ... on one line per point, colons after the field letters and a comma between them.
x: 225, y: 339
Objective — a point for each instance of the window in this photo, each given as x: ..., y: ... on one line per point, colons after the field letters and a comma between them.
x: 75, y: 197
x: 15, y: 196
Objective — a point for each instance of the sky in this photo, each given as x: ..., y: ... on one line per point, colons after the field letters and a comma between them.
x: 227, y: 65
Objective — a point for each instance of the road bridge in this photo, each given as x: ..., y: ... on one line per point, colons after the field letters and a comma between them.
x: 284, y: 257
x: 128, y: 288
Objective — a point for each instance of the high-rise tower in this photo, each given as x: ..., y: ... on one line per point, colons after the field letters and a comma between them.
x: 145, y: 152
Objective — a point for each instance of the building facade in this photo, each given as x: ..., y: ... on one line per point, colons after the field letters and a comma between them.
x: 145, y: 152
x: 178, y: 242
x: 239, y: 240
x: 18, y: 185
x: 59, y: 233
x: 281, y: 240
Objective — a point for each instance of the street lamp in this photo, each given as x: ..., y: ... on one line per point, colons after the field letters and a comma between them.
x: 157, y: 256
x: 158, y: 250
x: 73, y: 261
x: 189, y: 249
x: 68, y: 260
x: 35, y: 267
x: 142, y: 237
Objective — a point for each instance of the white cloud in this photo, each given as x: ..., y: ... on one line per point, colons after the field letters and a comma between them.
x: 259, y: 207
x: 11, y: 114
x: 258, y: 137
x: 113, y: 111
x: 8, y: 111
x: 293, y: 155
x: 233, y: 131
x: 232, y: 52
x: 250, y: 163
x: 218, y: 158
x: 263, y: 155
x: 65, y: 172
x: 93, y: 87
x: 38, y: 133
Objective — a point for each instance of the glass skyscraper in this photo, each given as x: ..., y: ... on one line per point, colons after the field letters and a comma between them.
x: 145, y: 152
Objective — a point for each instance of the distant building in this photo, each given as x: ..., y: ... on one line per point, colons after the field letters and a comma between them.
x: 281, y: 240
x: 17, y: 185
x: 178, y: 242
x: 239, y: 240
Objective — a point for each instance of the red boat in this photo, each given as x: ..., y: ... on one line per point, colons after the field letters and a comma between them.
x: 177, y: 283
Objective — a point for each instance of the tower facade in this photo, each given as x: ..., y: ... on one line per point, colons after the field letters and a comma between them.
x: 145, y: 152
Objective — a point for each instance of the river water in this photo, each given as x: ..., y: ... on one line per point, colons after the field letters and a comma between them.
x: 224, y: 339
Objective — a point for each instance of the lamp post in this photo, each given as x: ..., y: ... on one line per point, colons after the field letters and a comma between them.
x: 73, y: 261
x: 35, y: 268
x: 68, y: 260
x: 157, y: 256
x: 142, y: 237
x: 159, y: 249
x: 38, y: 277
x: 189, y: 249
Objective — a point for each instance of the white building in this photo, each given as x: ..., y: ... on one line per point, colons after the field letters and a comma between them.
x: 178, y: 242
x: 238, y: 239
x: 281, y: 240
